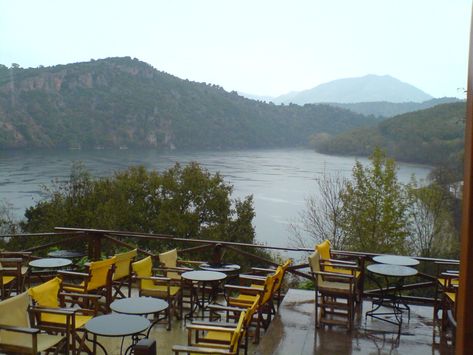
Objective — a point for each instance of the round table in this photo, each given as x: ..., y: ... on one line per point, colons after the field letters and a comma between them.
x: 50, y: 263
x: 141, y: 306
x: 66, y: 254
x: 200, y: 279
x: 390, y: 296
x: 225, y: 268
x: 116, y: 325
x: 396, y: 260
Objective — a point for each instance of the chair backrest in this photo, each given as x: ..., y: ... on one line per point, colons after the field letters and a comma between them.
x: 123, y: 264
x: 14, y: 312
x: 251, y: 311
x: 324, y: 249
x: 144, y: 268
x: 269, y: 288
x: 100, y: 273
x: 169, y: 259
x: 46, y: 294
x: 281, y: 271
x: 237, y: 333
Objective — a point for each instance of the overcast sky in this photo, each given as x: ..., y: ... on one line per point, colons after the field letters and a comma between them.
x: 255, y: 46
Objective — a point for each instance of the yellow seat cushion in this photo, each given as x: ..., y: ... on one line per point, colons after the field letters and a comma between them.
x: 211, y: 336
x: 160, y: 289
x: 61, y: 319
x: 451, y: 295
x: 7, y: 279
x: 46, y: 294
x: 443, y: 281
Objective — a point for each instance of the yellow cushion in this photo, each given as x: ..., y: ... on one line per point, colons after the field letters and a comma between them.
x: 46, y: 294
x: 342, y: 271
x: 160, y: 290
x: 61, y: 319
x: 324, y: 249
x: 212, y: 335
x: 451, y: 295
x: 7, y: 279
x: 144, y: 268
x: 122, y: 264
x: 99, y: 271
x: 443, y: 281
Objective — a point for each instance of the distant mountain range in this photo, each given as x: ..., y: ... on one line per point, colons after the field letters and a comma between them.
x: 369, y: 88
x: 431, y: 136
x: 123, y: 102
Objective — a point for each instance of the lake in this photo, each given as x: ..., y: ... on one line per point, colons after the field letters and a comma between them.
x: 279, y: 179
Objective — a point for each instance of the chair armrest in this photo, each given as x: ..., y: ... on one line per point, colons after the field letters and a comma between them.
x: 262, y: 269
x: 243, y: 289
x: 197, y: 349
x: 72, y: 273
x: 63, y: 311
x: 25, y: 330
x: 254, y: 278
x: 447, y: 263
x: 339, y: 261
x: 82, y: 295
x: 334, y: 275
x: 218, y: 307
x: 154, y: 278
x: 177, y: 269
x: 213, y: 328
x: 216, y: 324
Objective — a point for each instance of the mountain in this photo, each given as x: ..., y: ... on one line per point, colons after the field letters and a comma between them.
x: 432, y: 136
x: 390, y: 109
x: 256, y: 97
x: 117, y: 102
x: 369, y: 88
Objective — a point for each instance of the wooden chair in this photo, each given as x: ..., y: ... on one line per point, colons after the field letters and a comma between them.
x: 11, y: 280
x: 258, y: 277
x: 449, y: 297
x: 333, y: 287
x: 25, y: 257
x: 355, y: 266
x: 229, y: 343
x: 98, y: 281
x: 48, y: 307
x: 445, y: 273
x: 158, y: 286
x: 17, y: 332
x: 247, y: 295
x: 122, y: 276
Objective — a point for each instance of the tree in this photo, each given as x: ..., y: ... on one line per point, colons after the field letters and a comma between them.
x: 321, y: 218
x: 374, y: 214
x: 184, y: 201
x: 431, y: 222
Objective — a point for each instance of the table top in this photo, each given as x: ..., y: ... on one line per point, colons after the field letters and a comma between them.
x: 117, y: 325
x: 139, y: 305
x: 396, y: 260
x: 220, y: 268
x: 392, y: 270
x: 50, y: 263
x: 65, y: 254
x: 203, y: 275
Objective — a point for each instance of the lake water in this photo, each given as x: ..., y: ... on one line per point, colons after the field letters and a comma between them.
x: 279, y: 179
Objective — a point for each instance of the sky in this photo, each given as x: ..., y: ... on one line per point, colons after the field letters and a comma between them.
x: 258, y: 47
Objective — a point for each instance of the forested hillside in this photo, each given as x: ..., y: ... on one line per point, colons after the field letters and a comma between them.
x: 119, y: 102
x: 431, y: 136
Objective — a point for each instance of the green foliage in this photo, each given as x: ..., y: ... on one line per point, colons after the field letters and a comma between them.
x: 184, y: 201
x: 374, y: 208
x: 124, y: 102
x: 431, y: 136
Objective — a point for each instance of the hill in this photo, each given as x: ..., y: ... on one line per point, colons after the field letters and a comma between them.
x: 431, y: 136
x: 390, y: 109
x: 118, y: 102
x: 369, y: 88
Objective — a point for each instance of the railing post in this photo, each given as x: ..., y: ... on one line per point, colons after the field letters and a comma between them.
x: 95, y: 246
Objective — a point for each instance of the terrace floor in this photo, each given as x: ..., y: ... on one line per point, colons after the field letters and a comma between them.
x: 292, y: 332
